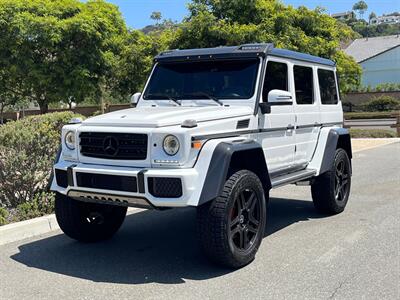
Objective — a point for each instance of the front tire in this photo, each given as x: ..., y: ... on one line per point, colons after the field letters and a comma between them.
x: 88, y: 222
x: 231, y: 227
x: 331, y: 190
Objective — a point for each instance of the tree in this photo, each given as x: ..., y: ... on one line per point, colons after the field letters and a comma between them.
x: 156, y: 16
x: 371, y: 16
x: 213, y: 23
x: 63, y: 50
x: 360, y: 7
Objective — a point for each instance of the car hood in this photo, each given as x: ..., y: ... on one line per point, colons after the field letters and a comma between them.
x: 166, y: 116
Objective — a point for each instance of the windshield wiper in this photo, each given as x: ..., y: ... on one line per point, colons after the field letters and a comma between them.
x: 162, y: 96
x: 208, y: 96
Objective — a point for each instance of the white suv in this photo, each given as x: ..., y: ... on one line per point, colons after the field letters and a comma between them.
x: 216, y: 129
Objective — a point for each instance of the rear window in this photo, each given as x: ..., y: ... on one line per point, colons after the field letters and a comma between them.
x: 303, y: 82
x: 327, y: 87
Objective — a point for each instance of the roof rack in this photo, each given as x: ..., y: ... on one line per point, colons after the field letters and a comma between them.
x: 242, y: 51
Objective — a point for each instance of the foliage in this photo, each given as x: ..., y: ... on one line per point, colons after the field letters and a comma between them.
x: 223, y: 22
x: 371, y: 16
x: 367, y: 115
x: 3, y: 216
x: 361, y: 7
x: 383, y: 87
x: 156, y: 16
x: 41, y: 204
x: 135, y: 62
x: 382, y: 103
x: 63, y: 49
x: 372, y: 133
x: 27, y: 151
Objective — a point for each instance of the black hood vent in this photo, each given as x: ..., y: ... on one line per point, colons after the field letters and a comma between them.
x: 243, y: 124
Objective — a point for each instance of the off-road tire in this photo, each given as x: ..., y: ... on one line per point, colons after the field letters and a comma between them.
x: 88, y: 222
x: 324, y: 190
x: 216, y: 217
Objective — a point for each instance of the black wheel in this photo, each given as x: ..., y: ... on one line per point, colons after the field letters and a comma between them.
x: 331, y: 190
x: 88, y: 222
x: 231, y: 227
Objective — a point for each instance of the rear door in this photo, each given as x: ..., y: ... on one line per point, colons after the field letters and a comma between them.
x: 307, y: 111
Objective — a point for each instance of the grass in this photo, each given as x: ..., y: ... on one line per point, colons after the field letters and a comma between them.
x: 372, y: 133
x: 368, y: 115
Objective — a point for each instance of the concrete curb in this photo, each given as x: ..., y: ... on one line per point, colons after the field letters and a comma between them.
x: 30, y: 228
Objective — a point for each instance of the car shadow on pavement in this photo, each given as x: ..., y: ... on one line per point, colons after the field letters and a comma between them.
x: 152, y: 246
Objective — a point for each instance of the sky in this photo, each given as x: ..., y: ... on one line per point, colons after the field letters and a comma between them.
x: 137, y: 12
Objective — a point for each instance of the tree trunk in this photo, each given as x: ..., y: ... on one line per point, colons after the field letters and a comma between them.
x: 44, y: 108
x: 1, y: 113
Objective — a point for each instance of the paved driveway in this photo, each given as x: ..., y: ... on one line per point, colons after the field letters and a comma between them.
x: 354, y: 255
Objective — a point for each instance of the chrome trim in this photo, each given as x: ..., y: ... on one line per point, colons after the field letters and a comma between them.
x: 109, y: 199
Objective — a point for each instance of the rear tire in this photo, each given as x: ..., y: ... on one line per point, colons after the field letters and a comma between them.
x: 88, y: 222
x: 231, y: 227
x: 331, y: 190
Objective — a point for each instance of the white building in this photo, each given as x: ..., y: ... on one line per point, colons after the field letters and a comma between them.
x: 379, y: 58
x: 385, y: 20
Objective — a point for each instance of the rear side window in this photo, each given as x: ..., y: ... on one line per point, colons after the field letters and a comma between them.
x: 303, y: 82
x: 327, y: 87
x: 276, y: 78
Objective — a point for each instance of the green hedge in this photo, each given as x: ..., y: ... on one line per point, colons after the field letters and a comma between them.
x: 27, y: 151
x: 368, y: 115
x: 372, y: 133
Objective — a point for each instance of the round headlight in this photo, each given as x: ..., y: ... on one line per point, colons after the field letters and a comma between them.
x: 70, y: 140
x: 171, y: 145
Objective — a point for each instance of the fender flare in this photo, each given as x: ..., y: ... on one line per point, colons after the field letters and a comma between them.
x: 337, y: 138
x: 226, y: 153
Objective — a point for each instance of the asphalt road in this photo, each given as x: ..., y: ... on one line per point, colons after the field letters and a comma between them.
x: 372, y: 123
x: 304, y: 255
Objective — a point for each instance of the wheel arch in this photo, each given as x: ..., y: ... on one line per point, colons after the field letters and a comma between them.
x: 229, y: 157
x: 337, y: 138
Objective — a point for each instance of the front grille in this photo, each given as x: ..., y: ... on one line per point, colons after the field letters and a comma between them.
x: 164, y: 187
x: 109, y: 145
x: 107, y: 182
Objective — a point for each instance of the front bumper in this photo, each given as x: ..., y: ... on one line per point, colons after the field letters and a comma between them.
x: 139, y: 190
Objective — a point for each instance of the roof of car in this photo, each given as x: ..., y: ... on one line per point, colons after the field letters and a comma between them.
x: 242, y: 51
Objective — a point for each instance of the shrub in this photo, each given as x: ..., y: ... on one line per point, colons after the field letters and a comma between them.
x: 42, y: 204
x: 27, y: 151
x: 382, y: 103
x: 371, y: 133
x: 368, y: 115
x: 3, y: 216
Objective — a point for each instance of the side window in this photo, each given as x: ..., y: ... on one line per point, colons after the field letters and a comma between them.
x: 276, y: 78
x: 303, y: 82
x: 327, y: 87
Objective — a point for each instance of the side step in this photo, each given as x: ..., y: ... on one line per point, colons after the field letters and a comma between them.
x: 292, y: 177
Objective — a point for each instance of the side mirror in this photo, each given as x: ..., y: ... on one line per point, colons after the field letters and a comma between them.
x: 279, y: 97
x: 135, y: 99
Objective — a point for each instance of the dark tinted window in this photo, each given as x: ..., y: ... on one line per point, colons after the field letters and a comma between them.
x: 303, y: 82
x: 327, y: 87
x: 231, y: 79
x: 276, y: 78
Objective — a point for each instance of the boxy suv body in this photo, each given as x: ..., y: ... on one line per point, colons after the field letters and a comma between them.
x: 214, y: 129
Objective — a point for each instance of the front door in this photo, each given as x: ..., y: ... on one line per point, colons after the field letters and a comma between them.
x: 277, y: 127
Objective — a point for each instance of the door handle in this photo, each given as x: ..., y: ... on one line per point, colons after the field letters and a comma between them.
x: 290, y: 127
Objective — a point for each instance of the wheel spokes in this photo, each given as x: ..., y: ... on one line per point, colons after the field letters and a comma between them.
x: 245, y: 221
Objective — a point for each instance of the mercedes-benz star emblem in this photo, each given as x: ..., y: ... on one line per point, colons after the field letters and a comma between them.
x: 110, y: 145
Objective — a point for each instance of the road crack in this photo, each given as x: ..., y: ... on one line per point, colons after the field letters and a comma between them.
x: 341, y: 283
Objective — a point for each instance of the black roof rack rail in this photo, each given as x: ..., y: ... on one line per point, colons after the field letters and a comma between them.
x: 242, y: 51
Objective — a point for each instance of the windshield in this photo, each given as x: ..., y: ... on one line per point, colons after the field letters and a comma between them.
x: 229, y: 79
